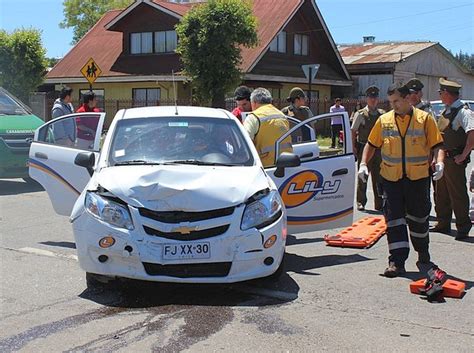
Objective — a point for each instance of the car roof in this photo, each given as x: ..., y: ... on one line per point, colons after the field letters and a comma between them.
x: 170, y: 111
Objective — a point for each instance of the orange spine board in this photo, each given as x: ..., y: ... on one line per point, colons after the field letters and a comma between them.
x: 363, y: 233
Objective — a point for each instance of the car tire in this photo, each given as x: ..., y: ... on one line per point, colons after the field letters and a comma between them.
x: 96, y: 281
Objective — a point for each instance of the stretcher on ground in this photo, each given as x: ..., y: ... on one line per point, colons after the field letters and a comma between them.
x: 451, y: 288
x: 362, y: 234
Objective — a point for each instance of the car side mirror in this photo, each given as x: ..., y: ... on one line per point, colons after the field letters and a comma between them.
x: 86, y: 160
x: 286, y: 160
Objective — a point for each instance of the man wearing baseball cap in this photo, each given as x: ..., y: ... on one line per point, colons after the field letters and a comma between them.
x: 298, y: 109
x: 456, y: 124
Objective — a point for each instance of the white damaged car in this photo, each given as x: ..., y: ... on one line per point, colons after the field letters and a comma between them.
x: 178, y: 194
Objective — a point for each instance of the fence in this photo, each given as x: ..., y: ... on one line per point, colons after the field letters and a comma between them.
x: 43, y: 105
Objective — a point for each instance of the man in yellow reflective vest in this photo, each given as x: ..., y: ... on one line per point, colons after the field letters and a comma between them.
x: 265, y: 125
x: 405, y: 136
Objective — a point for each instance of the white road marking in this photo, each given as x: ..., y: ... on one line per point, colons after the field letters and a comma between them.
x: 42, y: 252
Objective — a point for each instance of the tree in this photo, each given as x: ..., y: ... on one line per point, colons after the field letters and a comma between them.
x: 81, y: 15
x: 210, y: 40
x: 466, y: 60
x: 22, y: 61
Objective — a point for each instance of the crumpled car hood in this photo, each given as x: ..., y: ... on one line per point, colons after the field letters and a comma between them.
x: 182, y: 187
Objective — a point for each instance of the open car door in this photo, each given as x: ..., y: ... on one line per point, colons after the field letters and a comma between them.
x: 319, y: 194
x: 53, y: 152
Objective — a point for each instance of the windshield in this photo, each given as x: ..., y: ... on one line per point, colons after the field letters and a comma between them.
x: 9, y: 105
x: 172, y: 140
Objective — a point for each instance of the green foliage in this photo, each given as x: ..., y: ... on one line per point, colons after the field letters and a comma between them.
x: 22, y: 61
x: 210, y: 40
x: 50, y: 62
x: 81, y: 15
x: 466, y: 60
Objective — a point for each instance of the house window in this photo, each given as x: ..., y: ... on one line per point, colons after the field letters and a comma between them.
x: 278, y: 43
x: 301, y: 44
x: 146, y: 96
x: 141, y: 43
x: 165, y: 41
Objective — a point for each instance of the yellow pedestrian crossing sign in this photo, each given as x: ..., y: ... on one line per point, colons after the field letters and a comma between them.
x: 91, y: 71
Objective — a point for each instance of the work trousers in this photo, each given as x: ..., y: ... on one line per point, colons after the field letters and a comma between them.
x: 451, y: 195
x: 406, y: 202
x: 335, y: 129
x: 374, y: 170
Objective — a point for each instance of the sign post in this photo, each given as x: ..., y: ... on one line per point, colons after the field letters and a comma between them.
x: 91, y: 71
x: 310, y: 72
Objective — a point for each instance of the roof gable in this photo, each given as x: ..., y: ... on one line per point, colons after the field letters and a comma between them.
x: 272, y: 15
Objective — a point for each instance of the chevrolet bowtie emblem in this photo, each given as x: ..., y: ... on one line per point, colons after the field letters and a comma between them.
x: 185, y: 229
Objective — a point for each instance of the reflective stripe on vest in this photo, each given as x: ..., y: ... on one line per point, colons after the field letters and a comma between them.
x: 412, y: 158
x: 273, y: 124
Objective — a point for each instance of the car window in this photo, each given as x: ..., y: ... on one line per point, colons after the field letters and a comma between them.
x: 75, y: 132
x: 171, y: 139
x: 301, y: 135
x: 9, y: 106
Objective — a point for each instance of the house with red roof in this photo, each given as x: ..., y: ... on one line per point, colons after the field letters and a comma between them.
x: 135, y: 50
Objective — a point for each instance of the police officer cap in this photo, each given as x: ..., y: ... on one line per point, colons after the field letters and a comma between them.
x: 295, y: 92
x: 372, y: 91
x: 415, y: 85
x: 241, y: 93
x: 449, y: 86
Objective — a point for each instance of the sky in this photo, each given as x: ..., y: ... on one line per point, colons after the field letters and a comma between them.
x: 449, y: 22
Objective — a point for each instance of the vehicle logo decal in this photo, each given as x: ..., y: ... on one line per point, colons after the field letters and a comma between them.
x: 304, y: 186
x: 33, y: 163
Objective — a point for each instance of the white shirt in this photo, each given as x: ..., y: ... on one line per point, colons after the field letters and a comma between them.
x: 464, y: 119
x: 337, y: 120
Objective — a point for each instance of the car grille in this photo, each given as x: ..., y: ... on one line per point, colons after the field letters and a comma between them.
x: 192, y: 235
x: 215, y: 269
x: 181, y: 216
x: 17, y: 141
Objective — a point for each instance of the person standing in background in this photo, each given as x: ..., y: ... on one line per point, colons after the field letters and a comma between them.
x: 364, y: 121
x: 456, y: 124
x: 336, y: 122
x: 242, y: 98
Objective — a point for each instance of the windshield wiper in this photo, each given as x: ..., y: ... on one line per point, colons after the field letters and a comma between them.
x: 196, y: 162
x: 137, y: 162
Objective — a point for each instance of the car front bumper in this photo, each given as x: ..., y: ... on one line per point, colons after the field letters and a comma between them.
x: 234, y: 255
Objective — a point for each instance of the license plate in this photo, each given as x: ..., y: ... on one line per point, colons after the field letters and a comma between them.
x: 186, y: 251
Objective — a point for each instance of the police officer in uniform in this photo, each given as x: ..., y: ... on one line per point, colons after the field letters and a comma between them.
x: 298, y: 109
x: 415, y: 86
x: 364, y: 120
x: 265, y: 125
x: 405, y: 136
x: 456, y: 124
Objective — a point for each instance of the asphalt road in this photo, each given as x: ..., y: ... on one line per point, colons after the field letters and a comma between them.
x: 329, y: 299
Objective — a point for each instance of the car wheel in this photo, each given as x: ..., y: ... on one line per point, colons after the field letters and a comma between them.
x: 95, y: 281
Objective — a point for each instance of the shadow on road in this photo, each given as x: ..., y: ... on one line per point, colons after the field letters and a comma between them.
x: 142, y: 294
x: 301, y: 264
x: 18, y: 186
x: 293, y: 240
x: 61, y: 244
